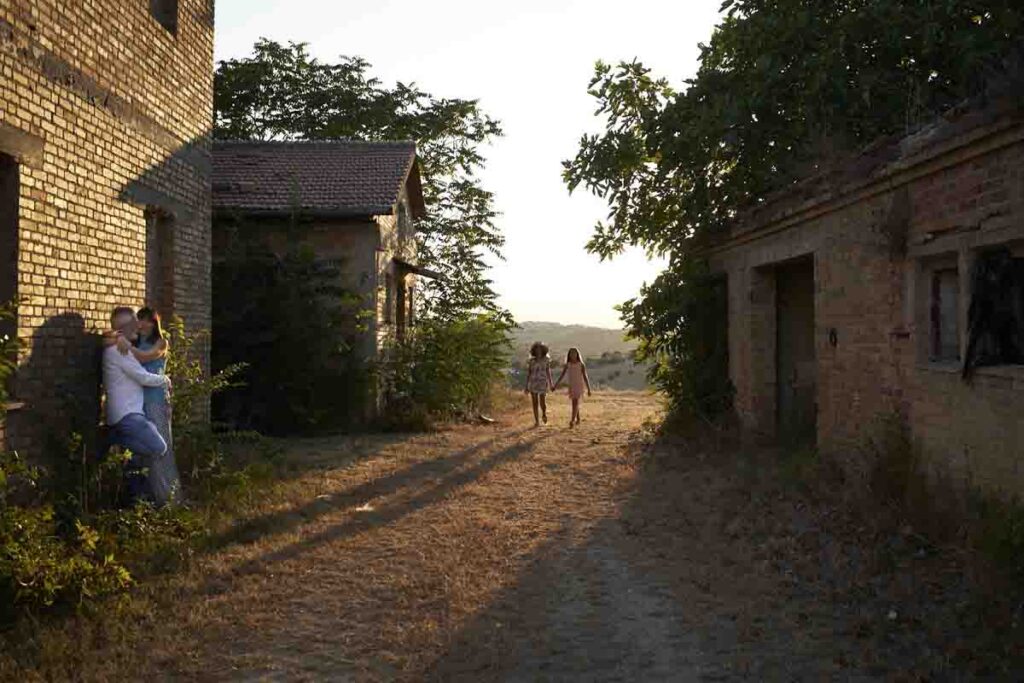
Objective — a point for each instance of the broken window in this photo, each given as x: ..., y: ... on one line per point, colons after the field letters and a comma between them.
x: 9, y: 192
x: 945, y: 304
x: 995, y: 321
x: 160, y: 261
x: 166, y: 13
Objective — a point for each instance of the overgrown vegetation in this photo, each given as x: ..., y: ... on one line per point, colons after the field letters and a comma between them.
x: 897, y: 492
x: 784, y: 89
x: 292, y: 324
x: 66, y: 540
x: 445, y: 369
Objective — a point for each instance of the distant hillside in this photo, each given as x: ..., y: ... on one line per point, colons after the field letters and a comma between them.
x: 592, y: 341
x: 605, y: 351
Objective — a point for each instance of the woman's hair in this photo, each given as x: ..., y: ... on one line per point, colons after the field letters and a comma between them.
x: 568, y: 355
x: 147, y: 313
x: 538, y: 350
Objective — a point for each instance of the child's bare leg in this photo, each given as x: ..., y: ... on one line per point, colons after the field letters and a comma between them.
x: 544, y: 407
x: 536, y: 413
x: 575, y: 419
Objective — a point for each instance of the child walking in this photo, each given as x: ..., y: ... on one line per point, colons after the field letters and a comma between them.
x: 578, y: 380
x: 538, y: 381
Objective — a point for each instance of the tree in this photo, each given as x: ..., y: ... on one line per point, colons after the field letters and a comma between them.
x: 784, y: 88
x: 282, y: 93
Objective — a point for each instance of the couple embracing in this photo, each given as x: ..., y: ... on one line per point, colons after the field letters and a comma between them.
x: 138, y: 405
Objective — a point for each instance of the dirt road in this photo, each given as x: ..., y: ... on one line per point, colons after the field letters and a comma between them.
x: 505, y: 552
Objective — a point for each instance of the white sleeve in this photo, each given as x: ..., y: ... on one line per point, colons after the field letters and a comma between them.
x: 131, y: 367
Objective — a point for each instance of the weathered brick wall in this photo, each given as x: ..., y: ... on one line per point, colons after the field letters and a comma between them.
x: 873, y: 244
x: 974, y: 431
x: 108, y: 113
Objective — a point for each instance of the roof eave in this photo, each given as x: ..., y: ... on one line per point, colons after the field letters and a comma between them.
x: 354, y: 212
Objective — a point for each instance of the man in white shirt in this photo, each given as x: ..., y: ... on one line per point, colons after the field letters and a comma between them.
x: 123, y: 379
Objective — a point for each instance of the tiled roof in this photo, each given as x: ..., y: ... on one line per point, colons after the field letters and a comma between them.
x: 339, y: 178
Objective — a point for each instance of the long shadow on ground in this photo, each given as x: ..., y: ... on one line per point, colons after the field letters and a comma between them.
x: 576, y: 612
x: 717, y: 569
x: 255, y: 528
x: 410, y: 499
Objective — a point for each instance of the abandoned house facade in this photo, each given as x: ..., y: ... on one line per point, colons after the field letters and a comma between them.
x: 105, y: 115
x: 892, y: 288
x: 352, y: 203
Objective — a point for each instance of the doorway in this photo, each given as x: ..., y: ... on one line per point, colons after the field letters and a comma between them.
x: 796, y: 364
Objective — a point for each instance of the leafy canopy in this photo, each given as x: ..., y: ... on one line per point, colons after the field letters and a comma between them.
x: 784, y: 88
x: 282, y: 93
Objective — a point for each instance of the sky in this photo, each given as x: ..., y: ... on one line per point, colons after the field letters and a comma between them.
x: 529, y: 64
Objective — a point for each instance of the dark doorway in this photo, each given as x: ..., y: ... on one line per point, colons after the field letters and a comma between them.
x: 797, y: 371
x: 160, y: 261
x: 9, y: 192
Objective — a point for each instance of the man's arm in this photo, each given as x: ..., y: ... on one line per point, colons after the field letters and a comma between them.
x: 133, y: 369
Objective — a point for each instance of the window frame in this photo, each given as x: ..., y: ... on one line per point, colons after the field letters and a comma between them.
x: 937, y: 315
x: 928, y: 268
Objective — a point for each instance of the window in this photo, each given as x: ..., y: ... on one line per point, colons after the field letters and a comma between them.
x: 160, y: 261
x: 995, y: 321
x: 9, y: 191
x: 165, y: 12
x: 945, y: 304
x: 404, y: 221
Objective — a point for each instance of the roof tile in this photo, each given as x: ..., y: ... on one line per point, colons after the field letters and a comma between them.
x: 331, y: 177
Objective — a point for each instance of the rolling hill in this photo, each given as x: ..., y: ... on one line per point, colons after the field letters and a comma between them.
x: 606, y: 352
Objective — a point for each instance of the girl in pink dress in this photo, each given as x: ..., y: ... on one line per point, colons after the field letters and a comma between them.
x: 578, y: 380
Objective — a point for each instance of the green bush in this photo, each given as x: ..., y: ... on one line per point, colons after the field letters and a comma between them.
x: 681, y: 323
x: 444, y: 369
x: 43, y: 562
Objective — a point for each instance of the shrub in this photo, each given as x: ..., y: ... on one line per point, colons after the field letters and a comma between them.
x: 43, y: 562
x: 681, y: 323
x: 444, y: 369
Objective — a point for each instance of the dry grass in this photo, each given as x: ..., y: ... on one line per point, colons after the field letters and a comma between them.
x: 366, y: 562
x: 497, y: 551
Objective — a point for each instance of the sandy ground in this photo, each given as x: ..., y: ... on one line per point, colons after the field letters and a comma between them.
x: 504, y: 552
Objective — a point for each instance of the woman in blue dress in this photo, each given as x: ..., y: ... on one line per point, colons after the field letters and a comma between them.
x: 150, y: 348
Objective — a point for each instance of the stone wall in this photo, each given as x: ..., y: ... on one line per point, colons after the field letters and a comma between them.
x: 875, y: 241
x: 107, y: 113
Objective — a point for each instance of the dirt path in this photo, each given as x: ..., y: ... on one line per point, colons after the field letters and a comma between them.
x: 504, y: 552
x: 396, y: 558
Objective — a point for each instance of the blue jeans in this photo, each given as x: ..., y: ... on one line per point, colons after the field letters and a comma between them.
x: 141, y: 437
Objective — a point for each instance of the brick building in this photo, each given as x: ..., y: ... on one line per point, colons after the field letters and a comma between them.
x: 352, y: 202
x: 860, y: 295
x: 105, y: 114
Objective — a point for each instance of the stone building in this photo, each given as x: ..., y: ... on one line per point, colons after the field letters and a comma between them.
x: 892, y: 287
x: 352, y: 202
x: 105, y: 114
